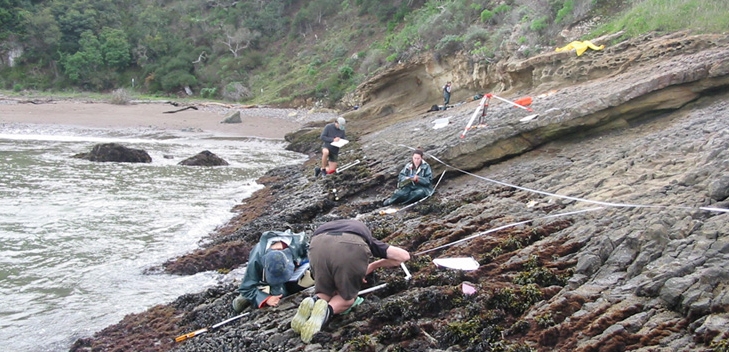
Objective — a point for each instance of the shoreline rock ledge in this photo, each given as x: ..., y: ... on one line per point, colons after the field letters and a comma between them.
x: 601, y: 225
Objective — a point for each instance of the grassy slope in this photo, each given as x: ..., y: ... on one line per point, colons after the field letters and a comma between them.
x: 304, y: 66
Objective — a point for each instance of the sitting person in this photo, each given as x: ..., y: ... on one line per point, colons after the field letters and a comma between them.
x: 271, y: 265
x: 413, y: 182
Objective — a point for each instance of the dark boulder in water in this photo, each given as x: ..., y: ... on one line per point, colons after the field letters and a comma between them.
x: 113, y: 152
x: 204, y: 158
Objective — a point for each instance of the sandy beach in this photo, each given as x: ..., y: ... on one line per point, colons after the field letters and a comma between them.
x: 256, y: 122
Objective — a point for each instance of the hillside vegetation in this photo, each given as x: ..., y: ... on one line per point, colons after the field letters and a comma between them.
x: 294, y: 52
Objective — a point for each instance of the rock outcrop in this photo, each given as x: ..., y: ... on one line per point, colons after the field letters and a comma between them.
x: 114, y: 152
x: 233, y: 117
x: 204, y: 158
x: 601, y: 225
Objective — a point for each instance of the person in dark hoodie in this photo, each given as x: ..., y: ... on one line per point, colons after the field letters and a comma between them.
x: 332, y: 132
x: 414, y: 181
x: 270, y: 271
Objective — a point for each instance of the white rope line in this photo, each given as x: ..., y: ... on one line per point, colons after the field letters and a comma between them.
x: 507, y: 226
x: 597, y: 202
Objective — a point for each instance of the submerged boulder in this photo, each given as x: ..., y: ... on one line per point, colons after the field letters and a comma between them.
x: 113, y: 152
x: 204, y: 158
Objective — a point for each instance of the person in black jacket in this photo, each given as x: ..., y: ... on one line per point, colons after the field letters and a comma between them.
x: 332, y: 132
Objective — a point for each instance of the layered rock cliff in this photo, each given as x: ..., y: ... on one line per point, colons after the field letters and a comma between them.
x: 599, y: 225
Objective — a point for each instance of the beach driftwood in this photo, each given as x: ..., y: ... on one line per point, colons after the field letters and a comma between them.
x: 178, y: 110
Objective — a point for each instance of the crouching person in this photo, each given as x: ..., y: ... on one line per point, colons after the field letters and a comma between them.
x: 276, y: 268
x: 339, y: 255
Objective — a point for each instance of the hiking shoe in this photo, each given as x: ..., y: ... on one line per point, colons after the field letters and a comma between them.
x: 302, y: 314
x: 319, y: 315
x: 240, y: 303
x: 317, y: 171
x: 387, y: 202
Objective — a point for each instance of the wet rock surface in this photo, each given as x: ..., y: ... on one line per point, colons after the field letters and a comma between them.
x: 597, y: 226
x: 204, y: 158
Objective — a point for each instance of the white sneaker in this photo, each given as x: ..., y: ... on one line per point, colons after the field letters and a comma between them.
x: 319, y: 316
x: 302, y: 314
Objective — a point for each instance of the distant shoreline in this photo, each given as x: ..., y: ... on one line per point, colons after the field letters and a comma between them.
x: 271, y: 123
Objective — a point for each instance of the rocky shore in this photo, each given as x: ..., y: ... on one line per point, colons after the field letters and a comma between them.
x: 600, y: 225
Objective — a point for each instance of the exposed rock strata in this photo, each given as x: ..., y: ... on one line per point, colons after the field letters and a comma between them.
x: 637, y: 140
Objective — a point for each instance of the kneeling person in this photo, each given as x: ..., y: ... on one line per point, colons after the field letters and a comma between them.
x: 339, y: 255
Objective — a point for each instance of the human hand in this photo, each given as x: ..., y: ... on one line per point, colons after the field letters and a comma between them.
x: 273, y: 300
x: 336, y: 139
x: 415, y: 178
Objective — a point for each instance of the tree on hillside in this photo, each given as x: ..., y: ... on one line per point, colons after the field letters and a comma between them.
x: 42, y: 35
x: 263, y: 16
x: 150, y: 36
x: 81, y: 65
x: 75, y: 17
x: 115, y: 48
x: 321, y: 8
x: 239, y: 39
x: 9, y: 19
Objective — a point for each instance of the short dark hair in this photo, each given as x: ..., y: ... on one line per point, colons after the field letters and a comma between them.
x: 418, y: 151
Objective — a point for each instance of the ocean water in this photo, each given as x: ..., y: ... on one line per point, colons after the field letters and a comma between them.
x: 76, y: 237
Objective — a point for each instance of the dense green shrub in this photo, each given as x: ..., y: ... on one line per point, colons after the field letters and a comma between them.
x: 538, y: 24
x: 176, y: 80
x: 486, y: 15
x: 208, y: 92
x: 449, y: 44
x: 346, y: 72
x: 565, y: 11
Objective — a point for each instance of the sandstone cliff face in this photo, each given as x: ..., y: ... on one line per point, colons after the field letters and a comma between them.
x: 600, y: 225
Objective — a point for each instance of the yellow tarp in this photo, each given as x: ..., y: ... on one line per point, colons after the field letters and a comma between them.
x: 580, y: 47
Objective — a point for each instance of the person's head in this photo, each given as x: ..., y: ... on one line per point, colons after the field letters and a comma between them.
x: 417, y: 157
x: 340, y: 123
x: 278, y: 266
x: 448, y: 84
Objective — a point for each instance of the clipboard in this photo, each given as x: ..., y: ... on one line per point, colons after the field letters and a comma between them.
x: 299, y: 272
x: 340, y: 143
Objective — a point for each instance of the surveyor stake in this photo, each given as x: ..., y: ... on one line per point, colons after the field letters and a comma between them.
x: 347, y: 166
x: 204, y: 330
x: 475, y: 113
x: 481, y: 106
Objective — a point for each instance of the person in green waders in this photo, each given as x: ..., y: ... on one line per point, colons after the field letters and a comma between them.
x: 414, y: 181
